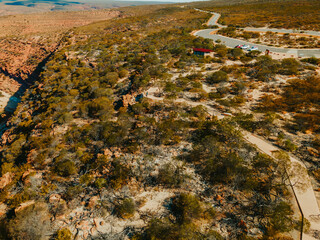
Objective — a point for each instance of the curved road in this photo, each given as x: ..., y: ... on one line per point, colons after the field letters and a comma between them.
x: 232, y: 42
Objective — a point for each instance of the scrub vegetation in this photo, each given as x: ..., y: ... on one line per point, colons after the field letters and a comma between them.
x: 100, y: 141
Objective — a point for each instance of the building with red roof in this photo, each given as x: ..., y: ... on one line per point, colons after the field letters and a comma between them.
x: 202, y: 52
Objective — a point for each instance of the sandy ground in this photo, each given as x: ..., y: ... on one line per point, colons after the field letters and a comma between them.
x: 51, y: 21
x: 4, y: 99
x: 154, y: 201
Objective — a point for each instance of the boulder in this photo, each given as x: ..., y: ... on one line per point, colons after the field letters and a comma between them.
x: 313, y: 151
x: 93, y: 202
x: 84, y: 225
x: 5, y: 179
x: 93, y: 231
x: 26, y: 173
x: 3, y: 209
x: 107, y: 153
x: 54, y: 198
x: 24, y: 205
x: 6, y: 139
x: 127, y: 100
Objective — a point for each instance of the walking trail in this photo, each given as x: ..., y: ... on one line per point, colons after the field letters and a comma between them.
x: 298, y: 174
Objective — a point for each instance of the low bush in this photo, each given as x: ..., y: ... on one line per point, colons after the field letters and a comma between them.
x: 125, y: 208
x: 186, y: 207
x: 217, y: 77
x: 170, y: 176
x: 64, y: 234
x: 65, y: 168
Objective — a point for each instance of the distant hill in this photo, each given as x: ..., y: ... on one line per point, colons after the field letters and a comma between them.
x: 31, y: 6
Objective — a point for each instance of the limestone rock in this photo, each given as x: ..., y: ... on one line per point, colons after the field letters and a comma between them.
x: 24, y: 205
x: 107, y: 152
x: 84, y: 225
x: 6, y: 139
x: 5, y: 179
x: 93, y: 202
x: 54, y: 198
x: 3, y: 209
x: 31, y: 155
x: 127, y: 100
x: 313, y: 151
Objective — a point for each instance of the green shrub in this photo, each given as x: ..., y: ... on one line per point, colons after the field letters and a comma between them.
x: 64, y: 234
x: 312, y: 60
x: 86, y: 179
x: 186, y: 207
x: 125, y: 208
x: 119, y: 175
x: 111, y: 78
x: 289, y: 66
x: 280, y: 218
x: 100, y: 183
x: 73, y: 192
x: 289, y: 146
x: 65, y: 118
x: 123, y: 73
x: 237, y: 53
x: 217, y: 77
x: 21, y: 197
x: 170, y: 175
x: 65, y: 168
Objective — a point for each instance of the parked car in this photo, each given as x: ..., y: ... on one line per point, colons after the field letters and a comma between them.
x: 253, y: 49
x: 238, y: 46
x: 245, y: 47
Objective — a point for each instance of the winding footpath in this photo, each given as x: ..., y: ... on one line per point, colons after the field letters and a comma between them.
x: 232, y: 42
x: 298, y: 174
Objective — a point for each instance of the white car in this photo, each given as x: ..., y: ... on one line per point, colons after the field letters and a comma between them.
x: 253, y: 49
x: 245, y: 47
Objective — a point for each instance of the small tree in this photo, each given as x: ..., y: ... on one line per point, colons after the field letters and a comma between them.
x: 237, y: 53
x: 125, y: 208
x: 186, y: 207
x: 65, y: 168
x: 217, y: 77
x: 280, y: 219
x: 289, y: 66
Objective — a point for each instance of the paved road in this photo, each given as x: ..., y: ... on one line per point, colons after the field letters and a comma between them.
x: 214, y: 19
x: 232, y: 42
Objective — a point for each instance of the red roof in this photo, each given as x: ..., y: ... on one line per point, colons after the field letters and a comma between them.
x: 202, y: 50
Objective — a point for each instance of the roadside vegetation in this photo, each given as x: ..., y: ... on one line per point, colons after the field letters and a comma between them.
x: 290, y: 14
x: 287, y: 40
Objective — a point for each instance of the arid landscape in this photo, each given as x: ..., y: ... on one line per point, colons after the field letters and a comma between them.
x: 160, y: 122
x: 27, y: 40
